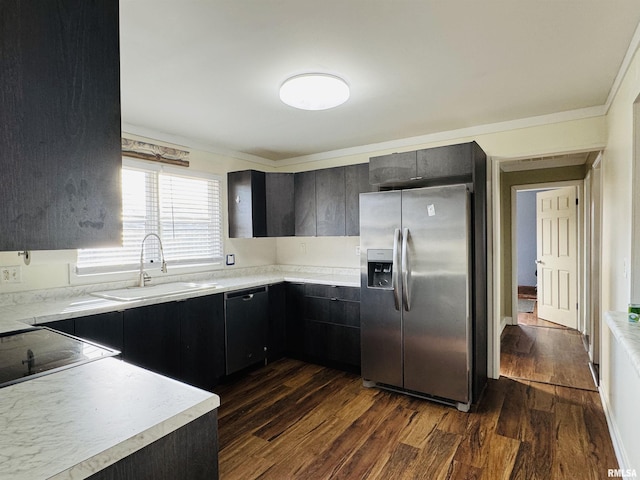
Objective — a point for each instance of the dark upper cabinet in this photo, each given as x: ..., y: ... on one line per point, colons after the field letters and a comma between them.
x: 260, y: 204
x: 330, y: 202
x: 305, y: 203
x: 427, y: 167
x: 60, y: 147
x: 246, y: 204
x: 392, y: 169
x: 356, y: 179
x: 452, y: 161
x: 280, y: 204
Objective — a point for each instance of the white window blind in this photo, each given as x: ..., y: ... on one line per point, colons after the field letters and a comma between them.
x: 184, y: 210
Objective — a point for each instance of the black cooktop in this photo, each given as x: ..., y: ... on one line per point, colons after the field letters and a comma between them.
x: 37, y: 351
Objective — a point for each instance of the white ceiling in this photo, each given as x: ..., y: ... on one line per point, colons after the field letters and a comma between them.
x: 207, y: 72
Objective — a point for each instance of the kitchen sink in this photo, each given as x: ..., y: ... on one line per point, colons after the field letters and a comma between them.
x: 131, y: 294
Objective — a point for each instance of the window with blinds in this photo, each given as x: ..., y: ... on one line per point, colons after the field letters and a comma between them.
x: 184, y: 210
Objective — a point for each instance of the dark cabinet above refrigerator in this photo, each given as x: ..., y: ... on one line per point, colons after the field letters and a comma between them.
x: 427, y: 167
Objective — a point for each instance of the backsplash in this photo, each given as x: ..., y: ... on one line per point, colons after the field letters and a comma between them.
x: 36, y: 296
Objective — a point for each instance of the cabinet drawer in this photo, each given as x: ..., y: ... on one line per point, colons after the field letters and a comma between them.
x: 332, y: 291
x: 332, y: 310
x: 332, y: 343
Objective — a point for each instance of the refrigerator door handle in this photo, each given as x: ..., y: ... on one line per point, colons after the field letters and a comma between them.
x: 406, y: 271
x: 394, y: 268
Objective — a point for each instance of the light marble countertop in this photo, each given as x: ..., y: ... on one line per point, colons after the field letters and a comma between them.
x: 122, y: 407
x: 74, y: 422
x: 627, y: 334
x: 41, y: 307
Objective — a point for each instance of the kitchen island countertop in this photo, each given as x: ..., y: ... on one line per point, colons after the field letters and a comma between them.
x: 75, y: 422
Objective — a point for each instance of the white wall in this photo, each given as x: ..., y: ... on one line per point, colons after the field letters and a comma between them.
x: 617, y: 378
x: 526, y: 231
x: 318, y: 251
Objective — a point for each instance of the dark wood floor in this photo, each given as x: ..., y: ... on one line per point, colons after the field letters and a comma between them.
x: 293, y: 420
x: 543, y: 354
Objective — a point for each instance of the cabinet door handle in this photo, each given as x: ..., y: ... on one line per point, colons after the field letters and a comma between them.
x: 246, y: 298
x: 334, y: 299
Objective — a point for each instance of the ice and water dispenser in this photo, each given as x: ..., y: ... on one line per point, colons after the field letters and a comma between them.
x: 380, y: 268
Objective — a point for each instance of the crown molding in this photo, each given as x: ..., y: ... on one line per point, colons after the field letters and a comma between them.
x: 624, y: 67
x: 411, y: 142
x: 394, y: 145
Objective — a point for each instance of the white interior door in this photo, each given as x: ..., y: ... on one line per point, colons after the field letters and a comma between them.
x: 557, y: 256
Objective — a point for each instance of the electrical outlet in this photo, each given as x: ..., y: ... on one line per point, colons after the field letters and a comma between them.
x: 303, y: 247
x: 11, y: 274
x: 358, y: 250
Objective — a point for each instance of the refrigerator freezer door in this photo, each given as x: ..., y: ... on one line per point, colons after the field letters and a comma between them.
x: 436, y: 327
x: 380, y: 322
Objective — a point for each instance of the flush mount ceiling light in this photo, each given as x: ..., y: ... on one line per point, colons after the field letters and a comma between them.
x: 314, y: 91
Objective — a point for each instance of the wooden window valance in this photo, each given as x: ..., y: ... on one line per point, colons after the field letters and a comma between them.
x: 154, y: 153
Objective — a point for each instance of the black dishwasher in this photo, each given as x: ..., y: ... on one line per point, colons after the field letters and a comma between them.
x: 246, y: 324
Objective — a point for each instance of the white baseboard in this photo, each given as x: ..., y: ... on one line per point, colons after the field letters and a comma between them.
x: 613, y: 432
x: 504, y: 322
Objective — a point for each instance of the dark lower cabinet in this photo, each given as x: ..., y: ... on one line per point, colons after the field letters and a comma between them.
x: 152, y: 338
x: 323, y: 325
x: 276, y: 337
x: 105, y: 329
x: 190, y: 452
x: 294, y: 332
x: 64, y: 326
x: 202, y: 361
x: 334, y: 345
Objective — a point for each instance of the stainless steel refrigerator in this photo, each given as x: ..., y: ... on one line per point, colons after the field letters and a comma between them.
x: 416, y: 292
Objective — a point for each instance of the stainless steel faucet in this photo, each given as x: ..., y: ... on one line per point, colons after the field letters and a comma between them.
x: 144, y: 277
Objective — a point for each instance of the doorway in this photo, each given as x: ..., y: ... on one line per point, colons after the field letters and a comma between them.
x: 544, y: 342
x: 531, y: 174
x: 545, y: 264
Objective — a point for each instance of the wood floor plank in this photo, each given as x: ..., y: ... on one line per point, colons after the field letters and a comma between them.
x: 520, y: 430
x: 437, y: 456
x: 572, y: 445
x: 549, y: 355
x: 501, y: 455
x: 295, y: 409
x: 338, y: 452
x: 461, y: 471
x: 401, y: 458
x: 369, y: 459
